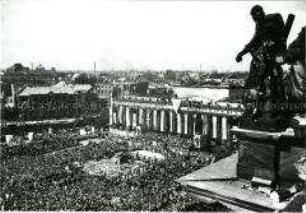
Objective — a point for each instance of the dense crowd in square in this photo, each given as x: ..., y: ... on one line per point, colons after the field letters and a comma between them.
x: 56, y: 180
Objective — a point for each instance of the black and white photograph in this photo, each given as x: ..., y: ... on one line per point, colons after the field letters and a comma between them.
x: 153, y: 105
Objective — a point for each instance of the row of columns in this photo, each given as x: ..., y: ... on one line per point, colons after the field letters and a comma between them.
x: 212, y: 125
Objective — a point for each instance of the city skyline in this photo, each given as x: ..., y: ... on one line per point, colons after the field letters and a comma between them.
x: 133, y: 35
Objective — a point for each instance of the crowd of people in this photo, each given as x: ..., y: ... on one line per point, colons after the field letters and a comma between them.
x: 44, y: 143
x: 56, y: 181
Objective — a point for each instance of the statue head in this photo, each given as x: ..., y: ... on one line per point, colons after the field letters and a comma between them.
x: 257, y: 13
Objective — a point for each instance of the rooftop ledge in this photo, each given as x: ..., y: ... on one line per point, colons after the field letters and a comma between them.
x: 219, y: 181
x: 264, y: 135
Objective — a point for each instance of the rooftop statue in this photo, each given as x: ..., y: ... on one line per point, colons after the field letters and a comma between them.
x: 266, y: 47
x: 262, y: 175
x: 265, y: 85
x: 295, y: 56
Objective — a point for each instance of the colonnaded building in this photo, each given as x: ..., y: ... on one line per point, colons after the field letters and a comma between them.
x: 182, y: 116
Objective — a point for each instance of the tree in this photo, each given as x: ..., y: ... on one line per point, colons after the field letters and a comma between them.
x: 84, y: 79
x: 18, y: 67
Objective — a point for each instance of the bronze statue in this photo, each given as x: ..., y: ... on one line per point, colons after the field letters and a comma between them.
x: 267, y: 48
x: 295, y: 56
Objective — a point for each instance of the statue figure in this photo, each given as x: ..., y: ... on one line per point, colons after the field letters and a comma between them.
x: 295, y: 56
x: 266, y: 47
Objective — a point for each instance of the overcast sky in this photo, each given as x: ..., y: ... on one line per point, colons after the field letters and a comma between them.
x: 127, y: 34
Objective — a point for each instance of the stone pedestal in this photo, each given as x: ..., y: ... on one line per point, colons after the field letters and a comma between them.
x: 268, y: 155
x: 257, y: 160
x: 292, y: 148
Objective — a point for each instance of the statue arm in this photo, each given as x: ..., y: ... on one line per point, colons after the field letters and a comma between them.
x: 252, y: 45
x: 249, y: 47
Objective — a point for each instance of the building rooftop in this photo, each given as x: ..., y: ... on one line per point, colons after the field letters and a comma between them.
x: 82, y: 88
x: 59, y: 88
x: 219, y: 181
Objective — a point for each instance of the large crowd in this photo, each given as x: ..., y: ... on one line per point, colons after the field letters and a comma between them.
x: 55, y: 181
x: 43, y: 143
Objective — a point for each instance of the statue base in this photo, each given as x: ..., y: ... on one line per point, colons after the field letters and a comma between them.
x: 265, y: 122
x: 268, y: 155
x: 257, y: 160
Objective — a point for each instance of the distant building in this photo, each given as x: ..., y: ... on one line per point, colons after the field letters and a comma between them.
x: 128, y: 88
x: 181, y: 116
x: 160, y: 92
x: 139, y: 88
x: 82, y: 88
x: 57, y: 101
x: 23, y: 76
x: 104, y: 90
x: 235, y: 81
